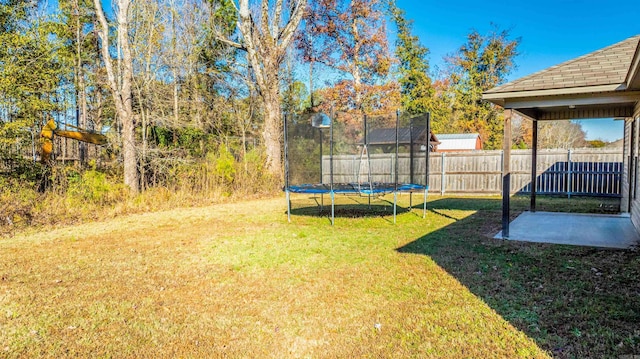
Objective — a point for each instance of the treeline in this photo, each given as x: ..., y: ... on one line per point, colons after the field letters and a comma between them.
x: 191, y: 93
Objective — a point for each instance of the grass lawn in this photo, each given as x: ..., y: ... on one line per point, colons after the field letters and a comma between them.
x: 237, y: 280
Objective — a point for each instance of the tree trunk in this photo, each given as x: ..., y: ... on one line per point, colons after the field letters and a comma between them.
x: 174, y: 72
x: 357, y: 78
x: 82, y: 121
x: 266, y: 44
x: 121, y: 87
x: 130, y: 160
x: 272, y: 131
x: 357, y: 88
x: 143, y: 154
x: 176, y: 109
x: 81, y: 99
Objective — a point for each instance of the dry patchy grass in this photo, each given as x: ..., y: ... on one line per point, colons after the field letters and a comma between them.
x: 237, y: 280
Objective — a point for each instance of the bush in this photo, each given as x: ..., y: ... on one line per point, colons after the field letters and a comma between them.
x: 252, y: 177
x: 224, y: 166
x: 64, y: 194
x: 17, y: 200
x: 94, y: 187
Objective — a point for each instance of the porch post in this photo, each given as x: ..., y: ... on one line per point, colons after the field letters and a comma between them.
x: 631, y: 172
x: 506, y: 173
x: 534, y: 165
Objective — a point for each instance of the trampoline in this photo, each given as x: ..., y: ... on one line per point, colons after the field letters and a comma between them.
x: 355, y: 188
x: 381, y: 155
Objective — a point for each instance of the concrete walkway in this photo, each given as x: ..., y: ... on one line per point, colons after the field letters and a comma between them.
x: 594, y: 230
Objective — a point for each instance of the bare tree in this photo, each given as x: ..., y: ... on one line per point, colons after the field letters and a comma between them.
x: 120, y: 84
x: 266, y: 42
x: 561, y: 134
x: 145, y: 40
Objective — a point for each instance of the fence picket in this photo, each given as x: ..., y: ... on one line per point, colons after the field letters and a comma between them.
x: 595, y: 172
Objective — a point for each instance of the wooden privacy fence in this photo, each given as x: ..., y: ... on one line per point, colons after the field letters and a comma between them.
x: 595, y: 172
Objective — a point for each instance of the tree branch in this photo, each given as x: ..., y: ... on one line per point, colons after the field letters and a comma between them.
x: 264, y: 17
x: 247, y: 28
x: 231, y: 43
x: 275, y: 25
x: 286, y: 35
x: 103, y: 34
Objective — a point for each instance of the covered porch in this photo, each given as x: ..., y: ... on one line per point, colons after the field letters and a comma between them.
x: 602, y: 84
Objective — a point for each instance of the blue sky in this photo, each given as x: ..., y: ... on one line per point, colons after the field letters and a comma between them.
x: 551, y: 32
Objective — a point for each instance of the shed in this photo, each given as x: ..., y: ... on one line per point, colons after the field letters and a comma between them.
x: 459, y: 142
x: 602, y: 84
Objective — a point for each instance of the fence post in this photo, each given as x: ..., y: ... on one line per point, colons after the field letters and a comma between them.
x: 443, y: 175
x: 568, y: 183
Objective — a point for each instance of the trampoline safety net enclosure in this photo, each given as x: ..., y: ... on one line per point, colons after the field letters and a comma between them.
x: 360, y: 157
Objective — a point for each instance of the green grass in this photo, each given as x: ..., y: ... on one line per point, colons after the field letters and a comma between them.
x: 237, y: 280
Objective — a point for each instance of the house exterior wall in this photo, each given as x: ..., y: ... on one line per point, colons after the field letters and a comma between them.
x: 459, y: 145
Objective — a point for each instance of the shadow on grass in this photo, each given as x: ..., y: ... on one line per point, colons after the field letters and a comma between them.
x: 573, y: 301
x: 346, y: 207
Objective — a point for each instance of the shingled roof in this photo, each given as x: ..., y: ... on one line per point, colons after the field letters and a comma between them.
x: 387, y: 136
x: 608, y: 66
x: 602, y: 84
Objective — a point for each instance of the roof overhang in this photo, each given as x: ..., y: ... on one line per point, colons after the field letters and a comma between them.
x: 602, y: 84
x: 568, y: 104
x: 501, y: 97
x: 633, y: 76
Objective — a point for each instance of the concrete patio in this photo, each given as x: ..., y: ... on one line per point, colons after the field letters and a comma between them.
x: 593, y: 230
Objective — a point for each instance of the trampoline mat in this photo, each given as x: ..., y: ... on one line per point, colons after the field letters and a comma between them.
x: 356, y: 188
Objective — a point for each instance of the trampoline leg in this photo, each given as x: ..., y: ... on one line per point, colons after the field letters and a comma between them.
x: 288, y: 206
x: 333, y: 213
x: 395, y: 201
x: 410, y: 201
x: 424, y: 210
x: 321, y: 202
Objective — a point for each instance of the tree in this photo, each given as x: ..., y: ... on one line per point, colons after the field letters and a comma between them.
x: 75, y: 30
x: 30, y: 71
x: 521, y: 132
x: 597, y: 143
x: 483, y: 62
x: 349, y: 36
x: 561, y: 134
x: 415, y: 83
x: 120, y: 84
x: 265, y: 42
x: 295, y: 93
x: 442, y: 107
x: 551, y: 134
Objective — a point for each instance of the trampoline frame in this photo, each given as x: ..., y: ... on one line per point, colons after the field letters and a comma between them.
x: 374, y: 188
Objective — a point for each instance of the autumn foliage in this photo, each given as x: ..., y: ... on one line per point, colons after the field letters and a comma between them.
x: 350, y: 37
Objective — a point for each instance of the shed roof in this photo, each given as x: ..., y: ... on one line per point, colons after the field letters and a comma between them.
x: 458, y: 136
x: 387, y: 136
